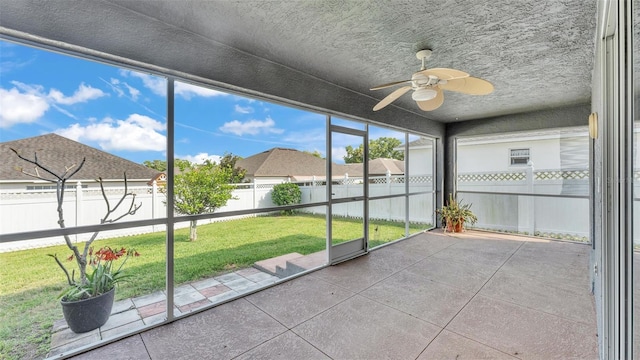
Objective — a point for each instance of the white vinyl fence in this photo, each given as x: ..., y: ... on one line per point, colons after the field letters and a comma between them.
x: 549, y: 203
x: 32, y: 210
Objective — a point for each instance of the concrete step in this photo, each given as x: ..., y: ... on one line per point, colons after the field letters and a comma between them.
x: 307, y: 262
x: 270, y: 265
x: 290, y: 264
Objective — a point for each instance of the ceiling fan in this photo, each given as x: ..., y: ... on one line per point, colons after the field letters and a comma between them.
x: 427, y: 85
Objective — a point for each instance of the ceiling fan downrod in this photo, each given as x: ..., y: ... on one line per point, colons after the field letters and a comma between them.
x: 423, y: 55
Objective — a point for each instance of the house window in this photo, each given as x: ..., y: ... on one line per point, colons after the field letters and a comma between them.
x: 519, y: 156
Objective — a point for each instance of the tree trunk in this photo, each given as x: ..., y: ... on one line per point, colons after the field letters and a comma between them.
x: 193, y: 234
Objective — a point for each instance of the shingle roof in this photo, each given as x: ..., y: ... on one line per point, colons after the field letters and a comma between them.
x: 282, y: 162
x: 279, y: 162
x: 56, y: 152
x: 380, y: 166
x: 377, y: 167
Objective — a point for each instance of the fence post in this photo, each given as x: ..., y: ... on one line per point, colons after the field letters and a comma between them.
x: 78, y: 205
x: 526, y: 207
x: 532, y: 204
x: 389, y: 201
x: 154, y: 199
x: 254, y: 187
x: 312, y: 191
x: 346, y: 189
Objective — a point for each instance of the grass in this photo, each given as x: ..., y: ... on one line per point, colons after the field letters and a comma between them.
x: 31, y: 281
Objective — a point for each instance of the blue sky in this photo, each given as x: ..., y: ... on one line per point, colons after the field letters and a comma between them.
x: 124, y: 112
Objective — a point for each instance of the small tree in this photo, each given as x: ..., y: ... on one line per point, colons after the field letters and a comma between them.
x: 160, y: 165
x: 60, y: 179
x: 237, y: 173
x: 200, y: 189
x: 383, y: 147
x: 315, y: 153
x: 286, y: 194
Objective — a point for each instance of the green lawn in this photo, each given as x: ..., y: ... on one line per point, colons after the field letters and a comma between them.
x: 31, y: 281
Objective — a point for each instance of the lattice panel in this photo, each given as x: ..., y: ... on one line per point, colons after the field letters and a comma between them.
x: 34, y: 194
x: 113, y: 192
x: 420, y: 179
x: 504, y: 176
x: 561, y: 175
x: 351, y: 181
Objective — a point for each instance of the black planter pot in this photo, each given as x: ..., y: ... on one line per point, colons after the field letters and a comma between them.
x: 86, y: 315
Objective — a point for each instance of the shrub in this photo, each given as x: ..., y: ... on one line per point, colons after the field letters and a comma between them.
x: 286, y: 194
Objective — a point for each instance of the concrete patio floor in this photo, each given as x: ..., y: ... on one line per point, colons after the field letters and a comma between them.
x: 435, y: 296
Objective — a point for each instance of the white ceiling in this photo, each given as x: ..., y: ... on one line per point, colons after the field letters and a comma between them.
x: 537, y: 53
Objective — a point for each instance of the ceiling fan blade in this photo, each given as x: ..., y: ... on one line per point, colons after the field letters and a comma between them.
x: 444, y: 73
x: 389, y: 84
x: 469, y: 85
x: 432, y: 104
x: 391, y: 97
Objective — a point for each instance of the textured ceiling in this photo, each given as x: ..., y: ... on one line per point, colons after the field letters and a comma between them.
x: 537, y: 53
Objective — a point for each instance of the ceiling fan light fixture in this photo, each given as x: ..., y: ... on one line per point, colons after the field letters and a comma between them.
x: 424, y: 94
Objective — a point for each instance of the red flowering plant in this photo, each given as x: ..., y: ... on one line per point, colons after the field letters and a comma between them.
x: 103, y: 278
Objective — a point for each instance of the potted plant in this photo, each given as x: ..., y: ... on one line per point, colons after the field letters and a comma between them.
x: 86, y: 304
x: 88, y: 300
x: 455, y: 214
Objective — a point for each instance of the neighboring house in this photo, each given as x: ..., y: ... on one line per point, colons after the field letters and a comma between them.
x: 57, y: 153
x: 384, y: 166
x: 377, y: 167
x: 420, y: 155
x: 544, y: 161
x: 552, y: 149
x: 281, y: 164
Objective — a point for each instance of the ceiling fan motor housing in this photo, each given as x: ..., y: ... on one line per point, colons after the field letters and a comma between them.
x: 424, y: 94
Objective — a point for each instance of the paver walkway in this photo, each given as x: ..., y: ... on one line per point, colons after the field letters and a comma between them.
x: 134, y: 313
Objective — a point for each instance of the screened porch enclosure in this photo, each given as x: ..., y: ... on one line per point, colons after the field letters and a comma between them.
x: 322, y: 239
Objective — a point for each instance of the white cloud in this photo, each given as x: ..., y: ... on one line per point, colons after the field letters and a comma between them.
x: 29, y: 89
x: 158, y: 86
x: 117, y: 86
x: 200, y: 158
x: 188, y: 91
x: 133, y: 92
x: 17, y: 107
x: 251, y: 127
x: 84, y: 93
x: 114, y: 86
x: 338, y: 154
x: 26, y: 103
x: 243, y: 109
x: 136, y: 133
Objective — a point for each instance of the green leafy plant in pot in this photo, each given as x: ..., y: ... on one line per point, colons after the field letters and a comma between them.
x: 87, y: 302
x: 86, y: 305
x: 455, y: 214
